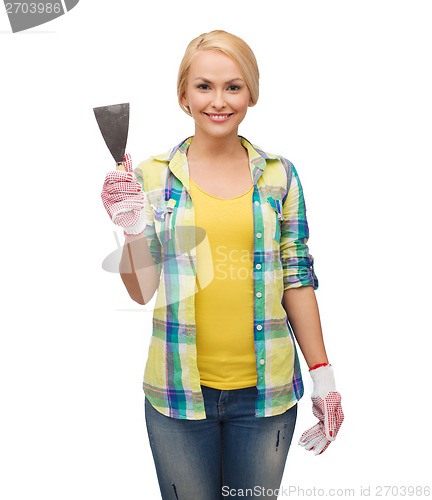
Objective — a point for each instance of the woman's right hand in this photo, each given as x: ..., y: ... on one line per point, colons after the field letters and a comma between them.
x: 123, y: 198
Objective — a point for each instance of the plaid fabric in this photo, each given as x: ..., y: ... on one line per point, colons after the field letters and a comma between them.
x: 281, y: 261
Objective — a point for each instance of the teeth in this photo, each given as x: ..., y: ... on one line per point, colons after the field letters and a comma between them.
x: 218, y: 117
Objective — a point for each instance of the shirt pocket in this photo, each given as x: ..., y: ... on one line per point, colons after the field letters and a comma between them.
x: 276, y: 217
x: 163, y: 214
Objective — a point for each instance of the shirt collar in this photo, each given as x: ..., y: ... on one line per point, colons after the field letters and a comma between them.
x: 177, y: 161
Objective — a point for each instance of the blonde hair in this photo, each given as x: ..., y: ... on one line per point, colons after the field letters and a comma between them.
x: 228, y: 44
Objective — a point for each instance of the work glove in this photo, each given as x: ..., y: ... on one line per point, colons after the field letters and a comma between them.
x: 123, y: 198
x: 326, y: 406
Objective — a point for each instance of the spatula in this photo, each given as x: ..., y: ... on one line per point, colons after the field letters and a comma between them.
x: 113, y: 122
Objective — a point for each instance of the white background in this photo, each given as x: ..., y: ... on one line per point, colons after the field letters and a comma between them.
x: 346, y: 96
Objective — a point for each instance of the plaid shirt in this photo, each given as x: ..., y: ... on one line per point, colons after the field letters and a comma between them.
x: 280, y: 261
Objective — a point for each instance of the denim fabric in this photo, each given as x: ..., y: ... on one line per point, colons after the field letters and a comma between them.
x: 229, y: 451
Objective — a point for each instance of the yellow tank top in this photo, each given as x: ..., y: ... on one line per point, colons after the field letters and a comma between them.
x: 224, y: 308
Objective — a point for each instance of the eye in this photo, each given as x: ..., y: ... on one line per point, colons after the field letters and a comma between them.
x: 203, y: 86
x: 234, y: 88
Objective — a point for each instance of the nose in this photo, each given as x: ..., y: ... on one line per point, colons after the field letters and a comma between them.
x: 218, y: 100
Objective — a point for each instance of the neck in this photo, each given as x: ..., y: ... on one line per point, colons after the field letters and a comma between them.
x: 215, y: 147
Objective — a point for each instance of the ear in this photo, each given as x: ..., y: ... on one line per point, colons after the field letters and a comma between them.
x: 251, y: 104
x: 184, y: 99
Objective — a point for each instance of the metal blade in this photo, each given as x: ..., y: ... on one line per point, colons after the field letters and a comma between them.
x: 113, y: 122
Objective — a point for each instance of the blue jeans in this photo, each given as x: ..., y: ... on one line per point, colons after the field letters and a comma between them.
x: 229, y: 451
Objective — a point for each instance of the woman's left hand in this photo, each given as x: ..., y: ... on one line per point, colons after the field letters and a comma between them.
x: 326, y: 406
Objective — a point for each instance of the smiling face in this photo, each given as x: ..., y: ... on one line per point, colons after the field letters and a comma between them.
x: 216, y: 94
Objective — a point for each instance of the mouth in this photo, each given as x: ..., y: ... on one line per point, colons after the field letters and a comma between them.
x: 219, y: 117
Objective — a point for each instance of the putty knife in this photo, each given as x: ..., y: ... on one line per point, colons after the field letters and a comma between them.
x: 113, y: 122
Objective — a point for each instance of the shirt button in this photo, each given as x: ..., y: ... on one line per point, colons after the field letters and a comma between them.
x: 257, y: 203
x: 258, y: 235
x: 258, y: 266
x: 259, y: 327
x: 259, y: 295
x: 262, y: 361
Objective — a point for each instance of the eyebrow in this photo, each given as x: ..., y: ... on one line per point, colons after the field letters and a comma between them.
x: 229, y: 81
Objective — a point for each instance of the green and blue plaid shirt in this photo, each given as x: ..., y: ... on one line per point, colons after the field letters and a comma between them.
x: 281, y: 260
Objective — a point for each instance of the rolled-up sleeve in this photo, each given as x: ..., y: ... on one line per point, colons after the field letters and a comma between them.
x: 297, y: 262
x: 149, y: 230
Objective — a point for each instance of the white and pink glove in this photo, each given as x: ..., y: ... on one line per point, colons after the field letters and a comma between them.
x: 123, y: 199
x: 326, y: 406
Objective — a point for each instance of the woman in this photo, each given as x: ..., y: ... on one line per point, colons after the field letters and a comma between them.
x: 218, y: 227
